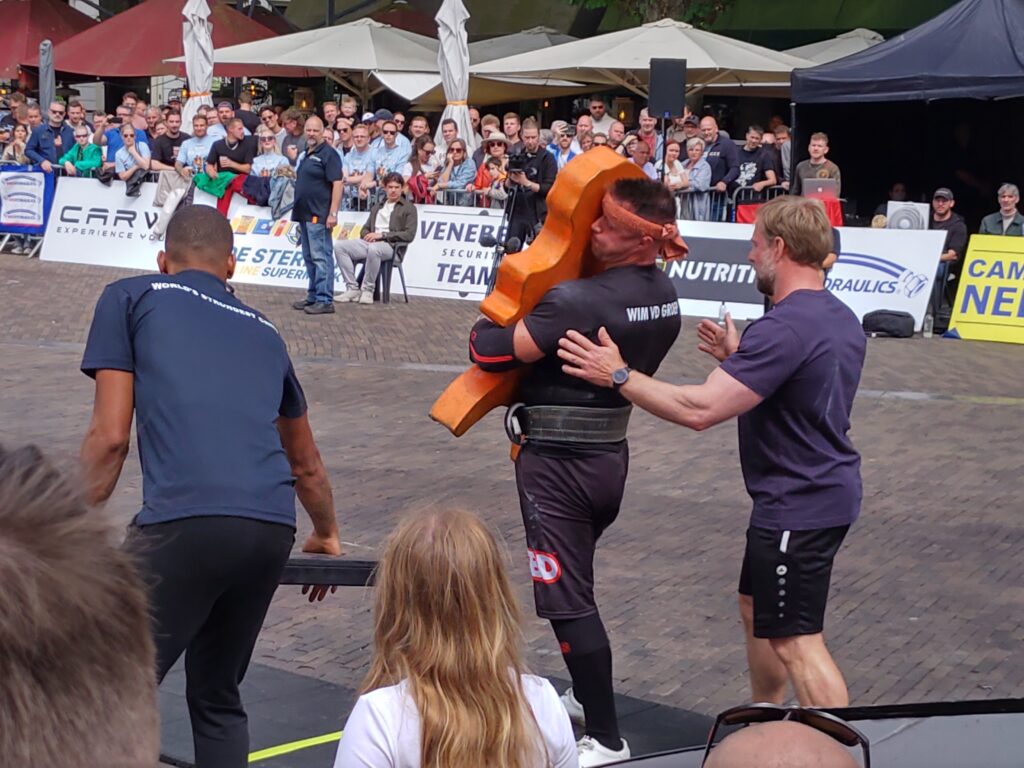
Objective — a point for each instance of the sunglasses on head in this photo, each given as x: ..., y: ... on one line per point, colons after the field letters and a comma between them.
x: 830, y: 725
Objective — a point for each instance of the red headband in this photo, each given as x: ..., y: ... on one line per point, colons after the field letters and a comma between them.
x: 672, y: 245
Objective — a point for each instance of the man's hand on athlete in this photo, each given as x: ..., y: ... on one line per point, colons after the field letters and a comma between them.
x: 320, y: 545
x: 589, y: 361
x: 717, y: 341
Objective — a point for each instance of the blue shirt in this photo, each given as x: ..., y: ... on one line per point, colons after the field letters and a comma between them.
x: 315, y: 174
x: 211, y: 378
x: 391, y: 160
x: 804, y: 357
x: 114, y: 141
x: 123, y: 159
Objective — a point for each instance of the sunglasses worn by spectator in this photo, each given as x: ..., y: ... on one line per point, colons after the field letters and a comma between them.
x: 389, y: 133
x: 56, y: 111
x: 454, y: 150
x: 824, y: 722
x: 267, y: 139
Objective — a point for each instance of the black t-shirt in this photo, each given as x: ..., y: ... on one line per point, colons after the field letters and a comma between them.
x: 249, y: 119
x: 753, y: 164
x: 317, y: 171
x: 243, y: 152
x: 638, y: 305
x: 164, y: 149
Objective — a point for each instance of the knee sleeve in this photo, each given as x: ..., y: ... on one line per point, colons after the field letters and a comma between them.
x: 578, y: 637
x: 491, y: 346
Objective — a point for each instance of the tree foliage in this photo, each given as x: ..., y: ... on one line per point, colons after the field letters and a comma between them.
x: 700, y: 13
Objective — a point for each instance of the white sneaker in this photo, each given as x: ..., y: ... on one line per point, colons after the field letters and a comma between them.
x: 352, y: 294
x: 593, y: 752
x: 573, y: 707
x: 366, y: 297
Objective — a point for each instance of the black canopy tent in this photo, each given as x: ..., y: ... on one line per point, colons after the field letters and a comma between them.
x: 930, y: 107
x: 974, y: 50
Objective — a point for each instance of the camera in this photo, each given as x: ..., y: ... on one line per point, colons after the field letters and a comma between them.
x: 517, y: 162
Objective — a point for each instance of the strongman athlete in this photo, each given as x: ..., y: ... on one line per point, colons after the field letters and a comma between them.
x: 571, y: 470
x: 791, y: 380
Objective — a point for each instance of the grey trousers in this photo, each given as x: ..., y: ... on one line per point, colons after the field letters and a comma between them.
x: 348, y: 252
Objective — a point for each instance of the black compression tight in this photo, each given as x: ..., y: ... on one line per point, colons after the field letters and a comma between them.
x: 588, y: 655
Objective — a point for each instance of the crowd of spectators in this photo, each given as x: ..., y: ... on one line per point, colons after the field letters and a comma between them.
x: 709, y: 171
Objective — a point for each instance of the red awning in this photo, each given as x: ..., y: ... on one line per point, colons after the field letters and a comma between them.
x: 24, y: 24
x: 135, y: 42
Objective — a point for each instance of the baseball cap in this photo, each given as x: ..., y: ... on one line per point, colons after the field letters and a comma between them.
x: 225, y: 103
x: 368, y: 117
x: 691, y: 120
x: 383, y: 114
x: 944, y: 192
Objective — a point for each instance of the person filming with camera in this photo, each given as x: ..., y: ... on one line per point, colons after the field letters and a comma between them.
x: 530, y: 176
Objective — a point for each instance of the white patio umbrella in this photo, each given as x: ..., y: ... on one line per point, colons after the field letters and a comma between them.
x: 854, y: 41
x: 453, y: 62
x: 197, y: 37
x: 47, y: 79
x: 623, y: 58
x: 350, y: 54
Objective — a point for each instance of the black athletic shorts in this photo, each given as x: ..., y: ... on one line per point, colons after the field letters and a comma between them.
x: 788, y: 573
x: 567, y: 503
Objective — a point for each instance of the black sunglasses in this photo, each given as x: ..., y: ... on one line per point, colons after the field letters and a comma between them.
x: 830, y: 725
x: 389, y: 133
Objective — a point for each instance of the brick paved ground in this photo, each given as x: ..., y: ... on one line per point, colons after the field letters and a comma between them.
x: 928, y: 594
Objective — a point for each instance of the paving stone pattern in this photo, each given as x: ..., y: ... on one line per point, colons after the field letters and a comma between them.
x: 927, y: 600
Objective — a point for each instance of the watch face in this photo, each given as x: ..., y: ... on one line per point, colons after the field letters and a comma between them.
x: 620, y: 376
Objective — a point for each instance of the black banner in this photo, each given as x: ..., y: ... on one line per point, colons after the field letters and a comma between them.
x: 717, y: 269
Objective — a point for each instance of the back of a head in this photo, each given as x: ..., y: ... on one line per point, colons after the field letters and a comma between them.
x: 783, y: 744
x: 199, y: 235
x: 448, y: 622
x: 648, y: 199
x: 77, y: 681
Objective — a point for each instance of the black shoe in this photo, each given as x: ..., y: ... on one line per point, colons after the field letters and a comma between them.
x: 300, y: 305
x: 320, y: 309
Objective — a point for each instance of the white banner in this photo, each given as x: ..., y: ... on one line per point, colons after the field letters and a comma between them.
x: 94, y: 224
x: 21, y: 198
x: 878, y: 269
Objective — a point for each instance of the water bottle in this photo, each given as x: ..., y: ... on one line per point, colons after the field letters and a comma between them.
x: 928, y: 326
x: 721, y: 314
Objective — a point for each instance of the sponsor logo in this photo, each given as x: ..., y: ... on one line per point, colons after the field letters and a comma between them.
x: 712, y: 271
x: 544, y: 566
x: 113, y: 218
x: 883, y: 276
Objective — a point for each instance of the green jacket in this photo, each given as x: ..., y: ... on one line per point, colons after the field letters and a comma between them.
x: 993, y: 225
x: 87, y: 158
x: 402, y: 227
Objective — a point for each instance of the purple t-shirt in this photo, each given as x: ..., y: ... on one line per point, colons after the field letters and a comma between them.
x: 804, y: 357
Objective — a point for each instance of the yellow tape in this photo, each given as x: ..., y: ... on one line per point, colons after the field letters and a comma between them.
x: 293, y: 746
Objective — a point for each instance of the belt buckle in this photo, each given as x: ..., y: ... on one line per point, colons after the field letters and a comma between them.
x: 513, y: 429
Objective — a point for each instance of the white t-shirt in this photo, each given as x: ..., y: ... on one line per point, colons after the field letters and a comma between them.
x: 383, y: 730
x: 383, y: 222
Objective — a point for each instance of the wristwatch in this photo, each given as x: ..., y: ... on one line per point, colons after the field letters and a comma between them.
x: 620, y: 377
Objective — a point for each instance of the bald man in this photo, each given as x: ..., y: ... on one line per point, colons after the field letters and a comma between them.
x: 780, y: 745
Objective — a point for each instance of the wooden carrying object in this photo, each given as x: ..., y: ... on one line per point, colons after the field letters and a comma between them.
x: 560, y: 252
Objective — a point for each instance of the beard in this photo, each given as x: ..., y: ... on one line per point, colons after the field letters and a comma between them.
x: 765, y: 281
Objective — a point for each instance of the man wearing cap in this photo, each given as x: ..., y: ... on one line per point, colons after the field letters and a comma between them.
x: 953, y: 224
x: 378, y: 132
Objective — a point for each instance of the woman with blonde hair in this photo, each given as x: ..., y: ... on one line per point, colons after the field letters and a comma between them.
x: 447, y: 686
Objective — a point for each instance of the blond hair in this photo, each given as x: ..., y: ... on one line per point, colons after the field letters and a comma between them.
x: 448, y: 623
x: 77, y: 670
x: 802, y: 224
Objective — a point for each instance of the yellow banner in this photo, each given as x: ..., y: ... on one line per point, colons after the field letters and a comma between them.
x: 990, y: 301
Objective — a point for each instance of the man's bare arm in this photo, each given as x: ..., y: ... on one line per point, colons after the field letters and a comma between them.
x: 312, y: 485
x: 106, y: 443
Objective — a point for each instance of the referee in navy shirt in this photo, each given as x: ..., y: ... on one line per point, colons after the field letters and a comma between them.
x: 225, y: 445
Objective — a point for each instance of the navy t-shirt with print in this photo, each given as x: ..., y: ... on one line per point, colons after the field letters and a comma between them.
x: 804, y: 357
x: 211, y: 378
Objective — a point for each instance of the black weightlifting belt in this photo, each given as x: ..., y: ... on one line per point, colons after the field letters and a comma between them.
x: 567, y: 424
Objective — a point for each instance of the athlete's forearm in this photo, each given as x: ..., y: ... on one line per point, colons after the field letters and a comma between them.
x: 679, y: 404
x: 102, y: 458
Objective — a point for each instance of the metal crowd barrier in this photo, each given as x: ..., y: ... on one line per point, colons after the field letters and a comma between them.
x: 713, y: 205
